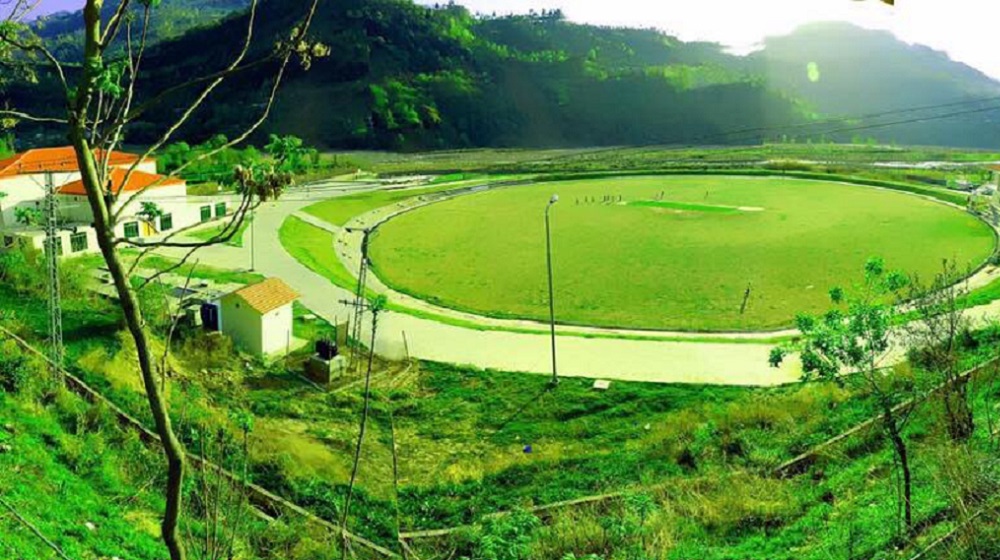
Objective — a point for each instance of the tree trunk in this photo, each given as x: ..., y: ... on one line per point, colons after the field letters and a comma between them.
x: 960, y: 421
x: 899, y: 446
x: 172, y: 448
x: 79, y: 108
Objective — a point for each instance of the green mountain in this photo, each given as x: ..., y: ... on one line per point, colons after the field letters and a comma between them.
x: 404, y: 76
x: 172, y: 19
x: 840, y: 69
x: 408, y: 76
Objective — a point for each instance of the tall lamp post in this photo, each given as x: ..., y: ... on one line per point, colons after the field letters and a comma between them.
x: 552, y: 309
x: 253, y: 242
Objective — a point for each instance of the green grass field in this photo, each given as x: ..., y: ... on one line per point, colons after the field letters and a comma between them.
x: 670, y: 265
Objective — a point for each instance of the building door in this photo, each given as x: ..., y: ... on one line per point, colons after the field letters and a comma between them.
x: 210, y: 317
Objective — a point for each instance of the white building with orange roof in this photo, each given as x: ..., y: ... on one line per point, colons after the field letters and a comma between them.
x: 23, y: 176
x: 23, y: 184
x: 259, y: 318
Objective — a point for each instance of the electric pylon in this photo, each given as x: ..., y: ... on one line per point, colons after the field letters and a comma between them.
x: 52, y: 269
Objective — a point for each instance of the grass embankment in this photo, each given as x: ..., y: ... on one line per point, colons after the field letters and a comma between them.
x: 72, y: 473
x: 651, y: 267
x: 313, y: 247
x: 338, y: 211
x: 815, y: 156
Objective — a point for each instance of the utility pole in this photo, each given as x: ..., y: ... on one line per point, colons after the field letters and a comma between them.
x: 552, y: 308
x: 52, y: 269
x: 253, y: 244
x: 359, y: 294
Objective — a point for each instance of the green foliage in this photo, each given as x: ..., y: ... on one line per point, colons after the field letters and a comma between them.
x: 200, y: 166
x: 19, y: 372
x: 28, y: 216
x: 290, y: 155
x: 149, y: 211
x: 6, y: 145
x: 853, y: 338
x: 507, y: 537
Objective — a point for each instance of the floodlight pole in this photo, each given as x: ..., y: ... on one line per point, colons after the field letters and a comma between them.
x: 552, y: 309
x: 253, y: 242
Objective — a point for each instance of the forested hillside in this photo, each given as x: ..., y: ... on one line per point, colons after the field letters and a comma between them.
x: 405, y: 76
x: 173, y: 18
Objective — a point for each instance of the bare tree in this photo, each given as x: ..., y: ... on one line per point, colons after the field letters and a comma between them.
x: 100, y: 104
x: 935, y: 341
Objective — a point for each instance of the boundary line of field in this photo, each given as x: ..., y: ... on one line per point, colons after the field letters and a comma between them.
x: 767, y: 336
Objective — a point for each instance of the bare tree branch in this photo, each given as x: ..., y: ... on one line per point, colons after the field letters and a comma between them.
x: 191, y: 107
x: 113, y: 25
x: 21, y: 115
x: 235, y: 141
x: 21, y: 9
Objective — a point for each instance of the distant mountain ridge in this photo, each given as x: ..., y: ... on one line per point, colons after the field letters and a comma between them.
x: 860, y: 71
x: 404, y: 76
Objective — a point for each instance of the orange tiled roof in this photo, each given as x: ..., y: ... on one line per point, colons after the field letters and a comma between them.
x: 138, y: 181
x: 268, y: 295
x: 62, y: 159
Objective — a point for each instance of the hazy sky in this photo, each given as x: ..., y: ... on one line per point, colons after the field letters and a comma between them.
x: 969, y: 30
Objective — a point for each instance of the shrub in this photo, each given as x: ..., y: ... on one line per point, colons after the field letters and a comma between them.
x: 22, y: 373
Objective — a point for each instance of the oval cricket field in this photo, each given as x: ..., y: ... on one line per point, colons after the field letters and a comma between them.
x: 697, y: 253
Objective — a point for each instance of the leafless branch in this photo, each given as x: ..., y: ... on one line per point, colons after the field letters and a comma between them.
x: 235, y: 141
x: 114, y: 24
x: 21, y: 9
x: 193, y: 248
x: 21, y: 115
x: 221, y: 74
x: 193, y: 106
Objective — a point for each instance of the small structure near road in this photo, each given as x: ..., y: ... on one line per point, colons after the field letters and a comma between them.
x: 259, y: 318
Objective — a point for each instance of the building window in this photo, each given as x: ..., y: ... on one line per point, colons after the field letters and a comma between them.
x: 131, y: 230
x: 220, y: 209
x: 206, y: 213
x: 166, y: 222
x: 78, y: 242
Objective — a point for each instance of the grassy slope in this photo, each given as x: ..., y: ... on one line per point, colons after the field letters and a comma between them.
x: 313, y: 247
x: 461, y: 435
x: 485, y: 252
x: 61, y: 477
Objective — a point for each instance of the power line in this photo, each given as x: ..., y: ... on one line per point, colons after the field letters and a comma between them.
x: 847, y: 119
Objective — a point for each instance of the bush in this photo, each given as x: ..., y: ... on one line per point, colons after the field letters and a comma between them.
x: 20, y: 372
x: 207, y: 351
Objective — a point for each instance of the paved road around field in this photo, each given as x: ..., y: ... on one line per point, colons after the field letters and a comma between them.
x: 737, y: 362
